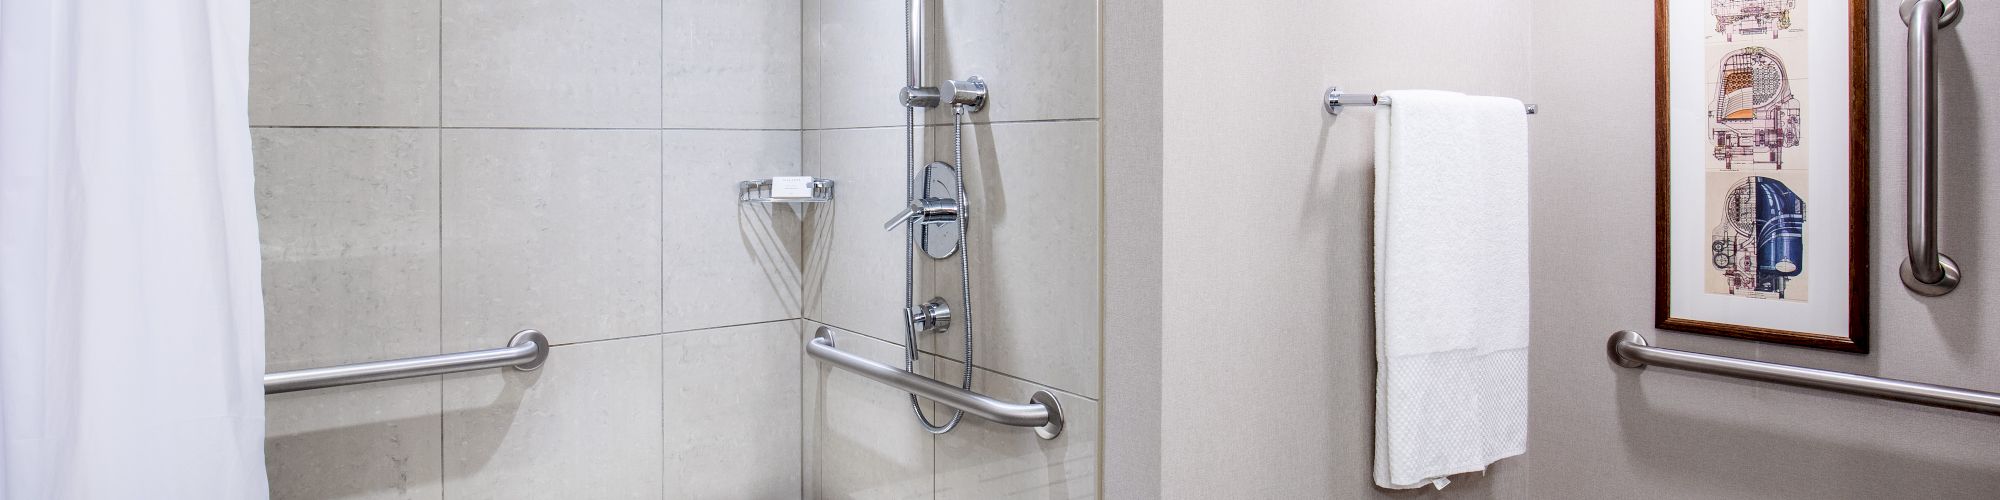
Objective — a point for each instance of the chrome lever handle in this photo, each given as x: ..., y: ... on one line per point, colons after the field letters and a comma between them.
x: 902, y: 218
x: 925, y: 211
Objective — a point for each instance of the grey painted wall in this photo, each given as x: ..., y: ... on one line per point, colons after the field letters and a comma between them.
x: 1268, y: 359
x: 1659, y: 433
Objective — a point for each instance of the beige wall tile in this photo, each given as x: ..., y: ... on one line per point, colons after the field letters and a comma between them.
x: 983, y: 460
x: 372, y: 441
x: 732, y: 412
x: 1033, y: 189
x: 552, y: 63
x: 728, y: 263
x: 585, y: 425
x: 732, y: 64
x: 556, y: 230
x: 348, y: 220
x: 861, y: 440
x: 366, y: 62
x: 1038, y: 57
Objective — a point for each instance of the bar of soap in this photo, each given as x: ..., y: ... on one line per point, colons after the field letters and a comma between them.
x: 791, y: 187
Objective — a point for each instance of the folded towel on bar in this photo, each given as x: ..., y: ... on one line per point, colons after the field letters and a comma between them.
x: 1451, y: 286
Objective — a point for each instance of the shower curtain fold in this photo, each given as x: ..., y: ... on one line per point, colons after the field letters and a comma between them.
x: 131, y: 309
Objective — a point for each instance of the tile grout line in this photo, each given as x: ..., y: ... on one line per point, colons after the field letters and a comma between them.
x: 492, y: 127
x: 438, y: 134
x: 676, y: 332
x: 660, y: 193
x: 666, y: 129
x: 969, y: 124
x: 799, y: 422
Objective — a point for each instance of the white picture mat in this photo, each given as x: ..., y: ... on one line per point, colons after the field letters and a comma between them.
x: 1826, y: 125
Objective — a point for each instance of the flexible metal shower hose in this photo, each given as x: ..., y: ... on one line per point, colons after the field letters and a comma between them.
x: 910, y: 351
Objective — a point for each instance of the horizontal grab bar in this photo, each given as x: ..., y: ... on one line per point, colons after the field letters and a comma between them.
x: 1630, y: 349
x: 524, y: 352
x: 1043, y: 413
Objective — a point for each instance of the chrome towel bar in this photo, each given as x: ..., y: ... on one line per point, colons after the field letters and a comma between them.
x: 1630, y: 349
x: 524, y: 352
x: 1043, y: 412
x: 1338, y: 100
x: 1927, y: 271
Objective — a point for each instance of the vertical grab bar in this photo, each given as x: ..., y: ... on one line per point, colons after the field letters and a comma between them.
x: 1927, y: 271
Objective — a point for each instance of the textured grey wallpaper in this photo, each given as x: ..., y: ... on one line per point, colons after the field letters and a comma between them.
x: 1599, y: 430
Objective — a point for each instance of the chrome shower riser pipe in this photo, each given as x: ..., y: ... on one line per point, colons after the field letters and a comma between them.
x: 914, y: 53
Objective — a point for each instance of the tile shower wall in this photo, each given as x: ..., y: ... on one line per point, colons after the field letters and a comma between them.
x: 1033, y: 172
x: 434, y: 175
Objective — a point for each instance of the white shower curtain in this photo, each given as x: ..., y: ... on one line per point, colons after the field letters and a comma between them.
x: 131, y: 315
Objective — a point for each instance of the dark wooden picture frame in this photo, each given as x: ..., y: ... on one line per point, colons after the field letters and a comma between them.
x: 1858, y: 188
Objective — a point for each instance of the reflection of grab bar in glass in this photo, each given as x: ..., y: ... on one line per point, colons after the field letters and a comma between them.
x: 1927, y: 272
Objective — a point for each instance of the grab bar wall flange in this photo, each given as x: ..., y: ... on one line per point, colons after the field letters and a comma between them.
x: 1927, y: 271
x: 1631, y: 350
x: 1043, y: 412
x: 525, y: 351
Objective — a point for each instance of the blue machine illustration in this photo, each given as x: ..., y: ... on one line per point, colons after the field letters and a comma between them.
x: 1760, y: 245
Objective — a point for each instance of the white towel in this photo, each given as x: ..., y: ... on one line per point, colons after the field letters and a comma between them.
x: 1451, y: 285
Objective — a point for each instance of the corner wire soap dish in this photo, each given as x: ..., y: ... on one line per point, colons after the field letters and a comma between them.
x: 760, y: 191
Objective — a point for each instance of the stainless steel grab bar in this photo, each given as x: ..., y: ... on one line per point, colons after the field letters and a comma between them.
x: 526, y: 351
x: 1042, y: 412
x: 1927, y: 271
x: 1630, y: 349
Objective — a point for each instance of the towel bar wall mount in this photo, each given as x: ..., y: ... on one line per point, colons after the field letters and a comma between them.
x: 1338, y: 100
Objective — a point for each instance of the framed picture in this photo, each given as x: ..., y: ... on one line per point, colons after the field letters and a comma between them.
x: 1762, y: 117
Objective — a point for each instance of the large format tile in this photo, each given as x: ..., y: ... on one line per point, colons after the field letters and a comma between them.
x: 854, y: 269
x: 372, y: 441
x: 552, y: 63
x: 809, y: 49
x: 732, y: 64
x: 728, y: 263
x: 1033, y: 189
x: 1038, y: 57
x: 982, y: 459
x: 557, y: 230
x: 732, y: 410
x: 860, y: 439
x: 860, y: 63
x: 362, y: 62
x: 348, y: 220
x: 585, y: 425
